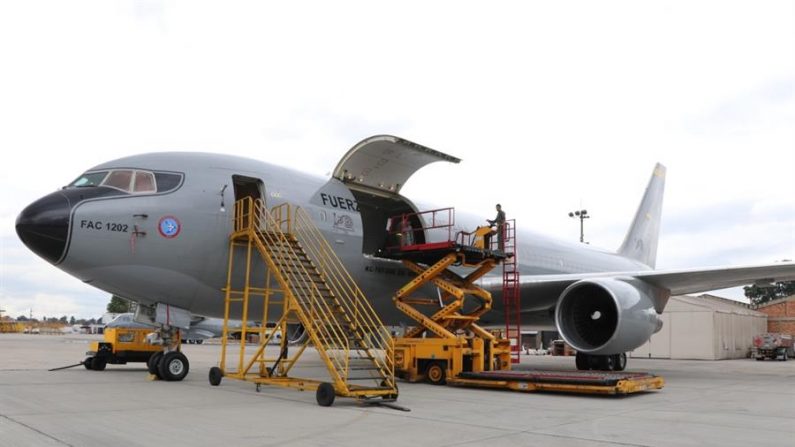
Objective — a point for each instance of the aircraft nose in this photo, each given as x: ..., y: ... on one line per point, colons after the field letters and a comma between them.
x: 43, y: 226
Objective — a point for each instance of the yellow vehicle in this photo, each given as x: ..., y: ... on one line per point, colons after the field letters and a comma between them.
x: 128, y: 345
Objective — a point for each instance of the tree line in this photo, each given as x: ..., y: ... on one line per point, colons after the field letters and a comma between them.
x: 117, y: 305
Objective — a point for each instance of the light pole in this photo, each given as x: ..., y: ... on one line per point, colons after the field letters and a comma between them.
x: 582, y: 215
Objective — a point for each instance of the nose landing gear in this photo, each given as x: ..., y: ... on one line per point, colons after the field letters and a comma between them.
x: 170, y: 364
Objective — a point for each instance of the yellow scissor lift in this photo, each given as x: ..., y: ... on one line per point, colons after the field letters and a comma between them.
x: 313, y: 288
x: 448, y: 342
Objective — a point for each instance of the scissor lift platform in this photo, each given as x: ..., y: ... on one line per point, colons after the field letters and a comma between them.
x: 579, y: 382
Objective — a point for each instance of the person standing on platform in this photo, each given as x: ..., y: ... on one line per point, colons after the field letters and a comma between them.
x: 499, y: 223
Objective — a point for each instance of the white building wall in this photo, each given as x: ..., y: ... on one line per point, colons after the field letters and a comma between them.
x: 691, y: 335
x: 703, y: 330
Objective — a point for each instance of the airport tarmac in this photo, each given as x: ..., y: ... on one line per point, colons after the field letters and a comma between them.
x: 726, y: 403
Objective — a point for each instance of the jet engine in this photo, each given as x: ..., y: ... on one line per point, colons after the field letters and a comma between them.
x: 604, y: 316
x: 296, y: 334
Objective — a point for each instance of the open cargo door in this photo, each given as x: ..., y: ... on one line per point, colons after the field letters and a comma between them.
x: 375, y: 170
x: 384, y: 163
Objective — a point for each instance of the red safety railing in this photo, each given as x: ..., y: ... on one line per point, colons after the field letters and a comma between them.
x: 414, y: 231
x: 511, y: 296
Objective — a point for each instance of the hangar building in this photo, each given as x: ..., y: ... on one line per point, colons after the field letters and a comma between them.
x: 704, y: 327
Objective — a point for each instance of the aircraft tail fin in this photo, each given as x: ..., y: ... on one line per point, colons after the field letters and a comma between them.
x: 640, y: 242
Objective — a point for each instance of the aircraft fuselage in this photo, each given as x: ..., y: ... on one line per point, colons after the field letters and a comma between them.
x: 172, y: 247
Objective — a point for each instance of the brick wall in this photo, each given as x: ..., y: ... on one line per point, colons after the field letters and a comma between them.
x: 787, y: 327
x: 775, y: 310
x: 781, y: 316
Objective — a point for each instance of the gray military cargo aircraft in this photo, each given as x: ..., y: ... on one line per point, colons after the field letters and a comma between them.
x: 201, y: 328
x: 154, y: 228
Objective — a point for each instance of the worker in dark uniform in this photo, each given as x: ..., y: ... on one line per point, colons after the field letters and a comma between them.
x: 499, y: 223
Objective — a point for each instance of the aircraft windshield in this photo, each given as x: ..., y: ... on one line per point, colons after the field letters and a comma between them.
x: 130, y: 180
x: 89, y: 179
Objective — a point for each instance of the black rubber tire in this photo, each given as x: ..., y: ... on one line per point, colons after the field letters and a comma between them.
x: 619, y: 361
x: 605, y: 362
x: 153, y: 364
x: 200, y: 341
x: 390, y: 396
x: 87, y: 363
x: 98, y: 363
x: 325, y: 394
x: 436, y: 373
x: 582, y: 361
x: 215, y: 376
x: 174, y: 366
x: 759, y: 359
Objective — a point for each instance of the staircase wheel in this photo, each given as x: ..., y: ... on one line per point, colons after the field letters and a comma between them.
x: 384, y: 384
x: 325, y: 394
x: 436, y: 373
x: 215, y: 376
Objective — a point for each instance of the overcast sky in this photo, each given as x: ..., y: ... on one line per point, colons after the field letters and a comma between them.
x: 552, y: 106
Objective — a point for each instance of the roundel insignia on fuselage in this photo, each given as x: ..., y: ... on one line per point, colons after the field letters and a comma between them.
x: 169, y: 227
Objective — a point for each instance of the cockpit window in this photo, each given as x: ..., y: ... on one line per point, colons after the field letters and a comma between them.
x: 144, y: 182
x: 119, y: 180
x: 130, y: 180
x: 167, y: 182
x: 89, y: 179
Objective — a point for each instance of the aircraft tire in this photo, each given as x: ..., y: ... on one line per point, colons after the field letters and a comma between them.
x: 605, y: 362
x: 215, y: 376
x: 436, y: 373
x: 325, y: 394
x: 582, y: 361
x: 173, y: 366
x: 87, y: 363
x: 619, y: 361
x: 199, y: 341
x: 153, y: 364
x: 98, y: 363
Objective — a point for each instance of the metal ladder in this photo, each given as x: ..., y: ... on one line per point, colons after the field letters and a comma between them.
x: 318, y: 292
x: 511, y: 291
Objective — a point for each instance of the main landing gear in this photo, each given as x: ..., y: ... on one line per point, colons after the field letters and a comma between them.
x: 614, y: 362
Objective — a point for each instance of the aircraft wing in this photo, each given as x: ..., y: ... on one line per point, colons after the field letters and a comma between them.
x: 677, y: 281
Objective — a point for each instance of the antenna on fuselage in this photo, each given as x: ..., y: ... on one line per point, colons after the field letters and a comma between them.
x: 223, y: 210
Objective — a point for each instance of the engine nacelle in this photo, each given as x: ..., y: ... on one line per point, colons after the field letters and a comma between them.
x: 607, y: 315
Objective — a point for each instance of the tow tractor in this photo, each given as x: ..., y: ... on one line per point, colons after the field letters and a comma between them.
x: 447, y: 345
x: 129, y: 345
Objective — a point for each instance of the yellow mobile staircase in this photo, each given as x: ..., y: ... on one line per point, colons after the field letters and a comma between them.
x: 310, y: 285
